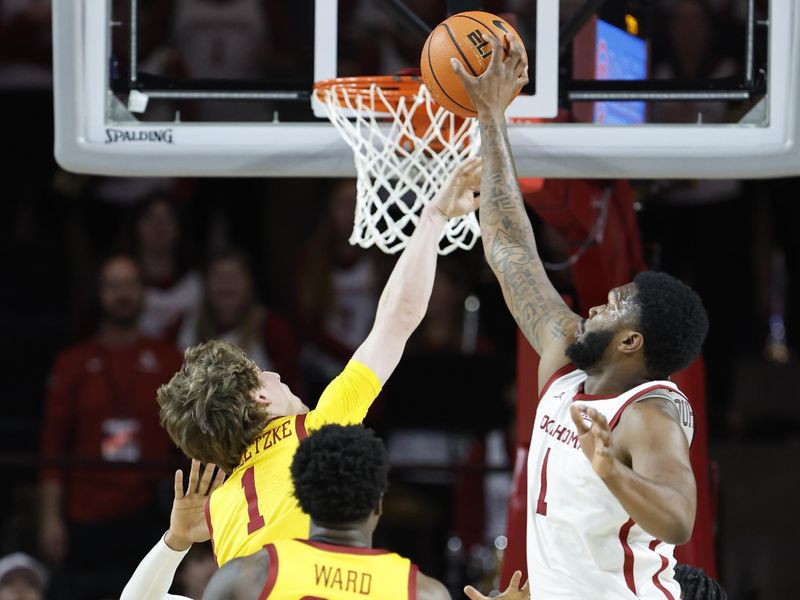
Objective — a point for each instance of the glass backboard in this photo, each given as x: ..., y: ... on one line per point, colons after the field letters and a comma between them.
x: 191, y: 87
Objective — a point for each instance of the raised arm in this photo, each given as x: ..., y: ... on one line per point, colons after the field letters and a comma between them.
x: 187, y: 524
x: 508, y: 240
x: 405, y: 298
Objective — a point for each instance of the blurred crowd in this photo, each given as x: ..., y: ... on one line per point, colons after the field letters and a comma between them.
x: 107, y: 280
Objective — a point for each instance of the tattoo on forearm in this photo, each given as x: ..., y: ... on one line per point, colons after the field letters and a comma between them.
x: 510, y: 245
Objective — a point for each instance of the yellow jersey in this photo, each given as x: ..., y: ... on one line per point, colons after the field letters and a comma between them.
x: 256, y: 504
x: 309, y: 570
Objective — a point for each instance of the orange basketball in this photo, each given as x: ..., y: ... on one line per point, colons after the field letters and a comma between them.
x: 459, y: 37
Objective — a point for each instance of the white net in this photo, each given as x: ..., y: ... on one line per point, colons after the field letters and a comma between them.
x: 404, y: 149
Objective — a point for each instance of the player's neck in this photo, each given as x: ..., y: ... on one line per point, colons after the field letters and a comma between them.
x: 612, y: 382
x: 354, y: 537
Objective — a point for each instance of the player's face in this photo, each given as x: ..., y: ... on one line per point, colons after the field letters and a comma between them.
x: 277, y: 395
x: 596, y: 333
x: 619, y: 310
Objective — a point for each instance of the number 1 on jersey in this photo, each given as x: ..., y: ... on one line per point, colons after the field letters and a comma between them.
x: 541, y: 502
x: 255, y: 519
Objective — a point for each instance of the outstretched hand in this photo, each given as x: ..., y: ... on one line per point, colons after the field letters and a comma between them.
x: 503, y: 79
x: 457, y: 196
x: 513, y: 591
x: 595, y: 439
x: 187, y: 522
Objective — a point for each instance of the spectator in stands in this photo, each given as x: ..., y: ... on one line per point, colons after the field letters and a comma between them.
x: 172, y: 288
x: 22, y: 577
x: 337, y: 291
x: 101, y: 411
x: 230, y: 311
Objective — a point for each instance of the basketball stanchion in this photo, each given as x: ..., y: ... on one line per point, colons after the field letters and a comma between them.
x: 404, y: 146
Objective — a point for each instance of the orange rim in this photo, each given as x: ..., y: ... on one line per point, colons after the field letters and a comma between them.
x: 393, y: 87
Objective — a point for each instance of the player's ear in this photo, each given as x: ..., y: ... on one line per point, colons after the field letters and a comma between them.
x: 379, y: 507
x: 630, y: 342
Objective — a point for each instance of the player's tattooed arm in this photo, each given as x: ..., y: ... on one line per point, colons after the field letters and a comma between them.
x: 510, y: 246
x: 508, y: 240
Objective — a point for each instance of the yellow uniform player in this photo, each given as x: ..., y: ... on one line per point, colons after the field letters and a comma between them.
x: 304, y: 568
x: 338, y: 561
x: 256, y: 502
x: 221, y: 409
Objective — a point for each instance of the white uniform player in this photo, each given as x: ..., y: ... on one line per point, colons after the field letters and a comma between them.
x: 592, y: 522
x: 580, y: 541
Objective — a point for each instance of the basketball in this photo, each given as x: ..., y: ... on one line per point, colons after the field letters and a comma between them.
x: 459, y: 37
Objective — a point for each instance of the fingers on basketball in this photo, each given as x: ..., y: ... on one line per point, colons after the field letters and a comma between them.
x: 470, y: 42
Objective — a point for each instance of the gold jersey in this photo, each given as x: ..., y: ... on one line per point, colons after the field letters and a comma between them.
x: 305, y: 569
x: 256, y: 504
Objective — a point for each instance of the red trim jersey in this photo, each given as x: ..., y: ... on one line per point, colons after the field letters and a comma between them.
x: 315, y: 570
x: 256, y: 504
x: 580, y: 541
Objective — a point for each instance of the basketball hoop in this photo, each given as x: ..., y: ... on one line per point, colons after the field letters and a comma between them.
x: 405, y: 146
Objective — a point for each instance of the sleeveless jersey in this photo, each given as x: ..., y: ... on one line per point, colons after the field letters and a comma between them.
x: 256, y: 504
x: 304, y: 569
x: 580, y: 541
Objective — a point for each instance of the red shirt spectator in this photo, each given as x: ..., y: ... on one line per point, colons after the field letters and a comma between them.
x: 101, y: 406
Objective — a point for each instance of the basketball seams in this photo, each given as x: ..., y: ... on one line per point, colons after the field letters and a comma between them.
x: 439, y: 85
x: 458, y: 48
x: 463, y: 33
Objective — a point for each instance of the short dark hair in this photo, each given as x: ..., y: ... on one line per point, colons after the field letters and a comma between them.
x: 673, y: 321
x: 340, y: 473
x: 696, y: 585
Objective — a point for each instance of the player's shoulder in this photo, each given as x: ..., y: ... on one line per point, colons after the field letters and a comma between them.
x: 429, y: 588
x: 356, y: 368
x: 661, y: 397
x: 241, y: 578
x: 657, y: 410
x: 555, y: 379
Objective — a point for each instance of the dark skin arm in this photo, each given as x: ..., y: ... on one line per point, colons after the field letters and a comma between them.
x: 508, y: 241
x: 240, y: 579
x: 645, y: 463
x: 429, y: 588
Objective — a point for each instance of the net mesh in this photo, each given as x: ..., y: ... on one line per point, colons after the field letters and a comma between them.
x: 405, y: 146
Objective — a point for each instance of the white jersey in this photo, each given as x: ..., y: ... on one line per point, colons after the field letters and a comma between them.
x: 581, y: 544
